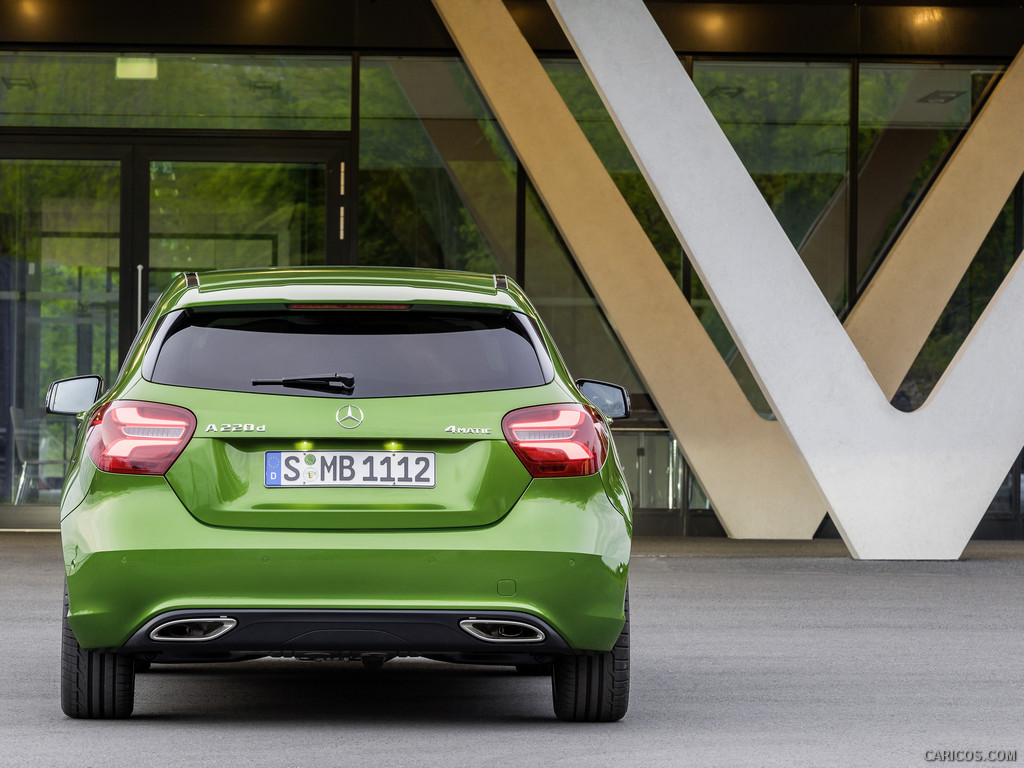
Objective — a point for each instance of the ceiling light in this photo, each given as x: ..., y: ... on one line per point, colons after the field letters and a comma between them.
x: 726, y: 91
x: 925, y: 16
x: 136, y: 68
x: 265, y: 87
x: 940, y: 97
x: 27, y: 83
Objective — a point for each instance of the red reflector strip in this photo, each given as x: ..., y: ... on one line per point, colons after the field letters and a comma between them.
x: 350, y: 306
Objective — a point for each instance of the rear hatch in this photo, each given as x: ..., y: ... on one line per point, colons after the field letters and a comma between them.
x: 347, y: 417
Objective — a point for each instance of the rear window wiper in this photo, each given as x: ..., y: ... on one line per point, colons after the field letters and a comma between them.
x: 328, y: 382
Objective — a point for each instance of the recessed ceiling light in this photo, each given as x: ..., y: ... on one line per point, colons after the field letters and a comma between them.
x: 266, y: 87
x: 940, y: 97
x: 11, y: 83
x: 135, y: 68
x: 726, y: 91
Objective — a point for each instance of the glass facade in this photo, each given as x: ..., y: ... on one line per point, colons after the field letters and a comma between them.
x: 116, y: 173
x: 175, y: 91
x: 582, y: 99
x: 910, y: 117
x: 59, y: 225
x: 654, y: 465
x: 662, y: 487
x: 790, y: 125
x: 273, y: 217
x: 797, y: 126
x: 119, y: 171
x: 437, y: 183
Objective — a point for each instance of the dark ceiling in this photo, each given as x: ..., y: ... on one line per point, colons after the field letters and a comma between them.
x: 869, y: 28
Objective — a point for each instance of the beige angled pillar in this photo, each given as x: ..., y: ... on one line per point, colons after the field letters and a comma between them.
x: 752, y: 476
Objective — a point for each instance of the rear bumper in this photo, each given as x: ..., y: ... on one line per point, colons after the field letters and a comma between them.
x: 136, y: 554
x: 343, y: 633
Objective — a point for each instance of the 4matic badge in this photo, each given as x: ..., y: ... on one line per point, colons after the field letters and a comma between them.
x: 468, y: 430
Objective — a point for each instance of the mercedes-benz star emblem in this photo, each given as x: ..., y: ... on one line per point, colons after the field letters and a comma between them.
x: 350, y: 416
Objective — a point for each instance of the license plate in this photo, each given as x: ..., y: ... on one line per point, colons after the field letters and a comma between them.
x: 325, y: 469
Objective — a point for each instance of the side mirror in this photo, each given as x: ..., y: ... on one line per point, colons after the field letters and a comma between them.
x: 610, y: 399
x: 69, y: 397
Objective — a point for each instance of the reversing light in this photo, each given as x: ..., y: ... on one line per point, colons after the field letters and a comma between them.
x: 137, y: 438
x: 567, y: 440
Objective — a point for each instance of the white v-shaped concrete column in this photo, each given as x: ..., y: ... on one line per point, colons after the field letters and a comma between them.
x: 898, y: 485
x: 747, y: 465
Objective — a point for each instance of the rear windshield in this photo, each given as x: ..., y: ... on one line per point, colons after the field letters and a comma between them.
x: 420, y: 350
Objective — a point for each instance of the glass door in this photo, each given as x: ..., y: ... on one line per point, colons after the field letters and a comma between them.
x: 86, y: 246
x: 210, y: 215
x: 215, y: 202
x: 59, y: 258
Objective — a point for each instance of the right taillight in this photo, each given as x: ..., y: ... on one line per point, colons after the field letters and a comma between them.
x: 138, y: 438
x: 557, y: 440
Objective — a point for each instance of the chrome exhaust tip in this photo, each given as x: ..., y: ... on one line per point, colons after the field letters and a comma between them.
x: 192, y: 630
x: 502, y: 630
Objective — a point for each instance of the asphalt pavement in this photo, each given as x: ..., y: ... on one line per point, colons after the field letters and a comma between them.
x: 743, y: 655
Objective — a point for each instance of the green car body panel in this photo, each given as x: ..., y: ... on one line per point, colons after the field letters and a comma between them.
x: 210, y: 534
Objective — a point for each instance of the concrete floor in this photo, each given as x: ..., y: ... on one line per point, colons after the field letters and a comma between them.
x: 784, y: 654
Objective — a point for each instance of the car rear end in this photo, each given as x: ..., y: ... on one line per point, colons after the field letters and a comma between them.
x: 345, y: 464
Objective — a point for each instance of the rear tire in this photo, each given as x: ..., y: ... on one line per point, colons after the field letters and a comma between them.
x: 94, y: 684
x: 594, y: 687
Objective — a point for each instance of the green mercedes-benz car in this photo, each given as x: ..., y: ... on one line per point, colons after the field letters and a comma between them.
x: 350, y: 464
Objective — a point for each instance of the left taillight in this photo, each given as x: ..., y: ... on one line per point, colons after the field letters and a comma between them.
x: 568, y: 440
x: 127, y: 436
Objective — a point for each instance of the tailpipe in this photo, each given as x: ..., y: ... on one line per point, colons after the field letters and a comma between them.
x: 502, y: 630
x: 192, y: 630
